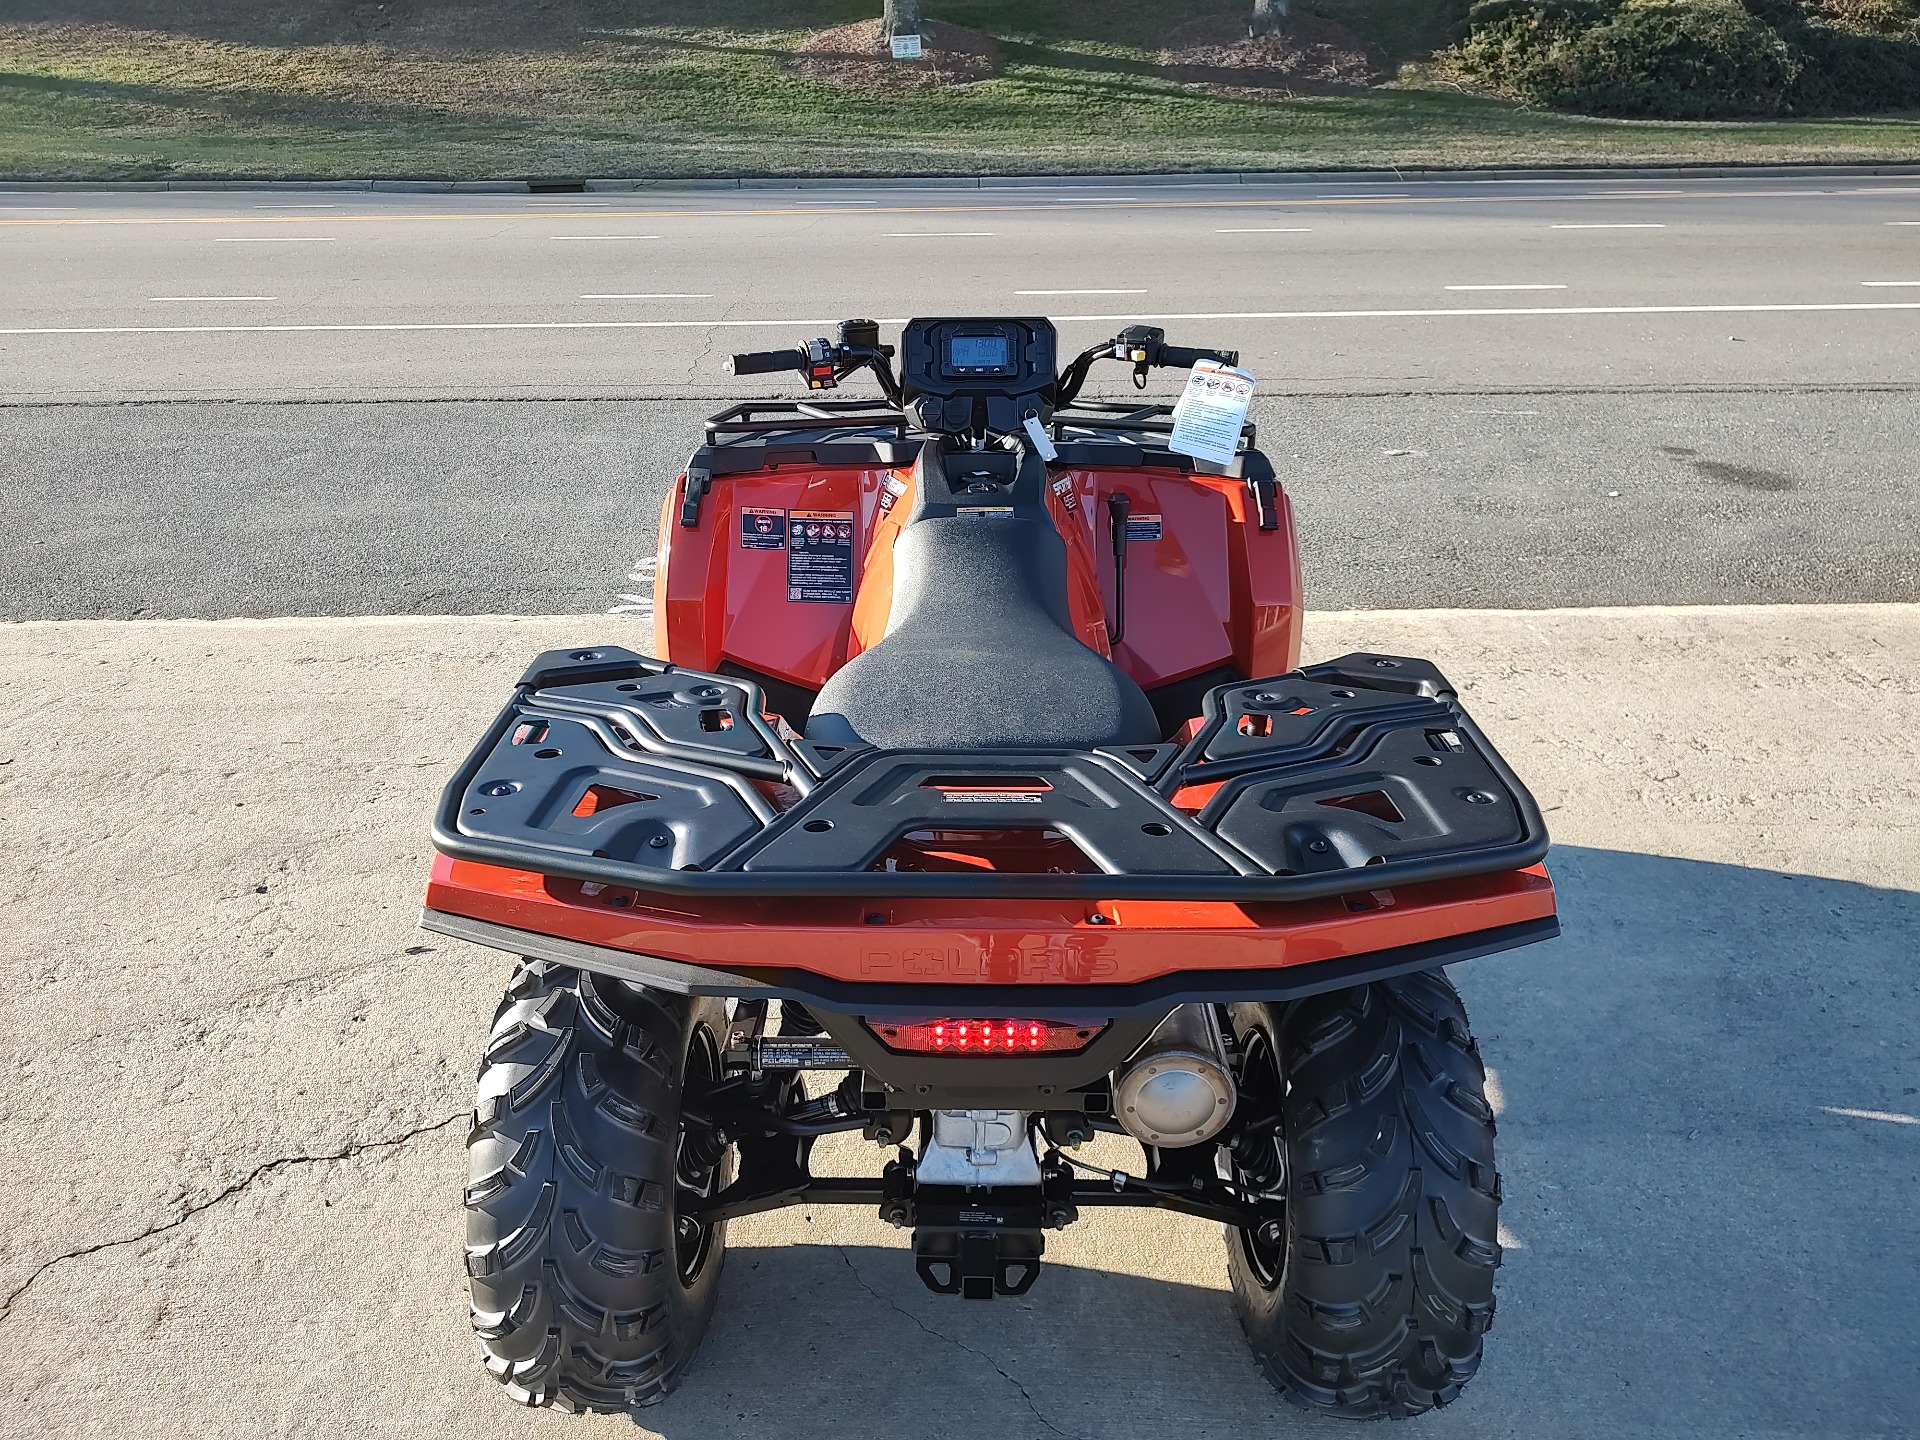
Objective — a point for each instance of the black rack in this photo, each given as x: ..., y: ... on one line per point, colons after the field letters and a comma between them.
x: 1359, y: 774
x: 744, y: 438
x: 1115, y: 433
x: 766, y: 417
x: 750, y: 437
x: 1128, y: 417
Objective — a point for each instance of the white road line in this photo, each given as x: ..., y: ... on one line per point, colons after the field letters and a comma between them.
x: 846, y: 202
x: 1888, y: 284
x: 935, y: 234
x: 1903, y: 222
x: 1642, y: 225
x: 1779, y: 309
x: 1081, y: 199
x: 783, y: 324
x: 605, y: 237
x: 275, y: 205
x: 1368, y: 195
x: 1624, y: 194
x: 1506, y: 287
x: 204, y: 299
x: 1890, y: 1117
x: 1266, y: 230
x: 1079, y: 292
x: 273, y: 239
x: 662, y: 296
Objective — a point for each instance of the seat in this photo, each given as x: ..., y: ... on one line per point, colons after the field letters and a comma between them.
x: 980, y: 651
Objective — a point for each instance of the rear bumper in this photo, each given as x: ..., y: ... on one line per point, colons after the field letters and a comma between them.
x: 1037, y: 1001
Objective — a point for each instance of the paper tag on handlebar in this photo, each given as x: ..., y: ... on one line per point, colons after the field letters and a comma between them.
x: 1041, y: 441
x: 1210, y: 412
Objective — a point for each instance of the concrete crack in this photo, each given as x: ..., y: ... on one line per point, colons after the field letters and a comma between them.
x: 269, y: 1167
x: 998, y: 1369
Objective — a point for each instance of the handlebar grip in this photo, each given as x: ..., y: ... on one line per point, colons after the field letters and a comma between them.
x: 1181, y: 356
x: 765, y: 362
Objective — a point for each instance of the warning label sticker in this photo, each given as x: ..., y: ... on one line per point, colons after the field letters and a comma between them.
x: 820, y: 557
x: 891, y: 489
x: 1143, y: 527
x: 763, y: 529
x: 985, y: 512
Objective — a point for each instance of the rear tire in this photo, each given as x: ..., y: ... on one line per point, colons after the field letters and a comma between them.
x: 588, y: 1290
x: 1374, y: 1296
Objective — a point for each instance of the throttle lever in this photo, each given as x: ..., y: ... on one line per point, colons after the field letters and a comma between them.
x: 1141, y: 344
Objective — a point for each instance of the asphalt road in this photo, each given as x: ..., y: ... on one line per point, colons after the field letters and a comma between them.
x: 1480, y: 393
x: 1323, y: 284
x: 213, y: 510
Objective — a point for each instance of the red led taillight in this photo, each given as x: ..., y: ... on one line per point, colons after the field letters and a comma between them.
x: 957, y: 1036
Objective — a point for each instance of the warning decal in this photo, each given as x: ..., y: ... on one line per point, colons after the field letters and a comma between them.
x: 1143, y: 527
x: 820, y: 557
x: 762, y: 529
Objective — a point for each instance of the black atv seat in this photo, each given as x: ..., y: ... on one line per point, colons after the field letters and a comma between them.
x: 980, y: 651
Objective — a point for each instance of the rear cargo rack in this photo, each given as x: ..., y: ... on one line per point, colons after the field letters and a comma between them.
x: 1359, y: 774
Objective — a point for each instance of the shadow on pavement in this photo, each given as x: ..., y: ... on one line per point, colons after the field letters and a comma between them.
x: 1702, y: 1239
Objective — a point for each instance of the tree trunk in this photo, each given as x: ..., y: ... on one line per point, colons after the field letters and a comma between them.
x: 902, y: 17
x: 1267, y: 15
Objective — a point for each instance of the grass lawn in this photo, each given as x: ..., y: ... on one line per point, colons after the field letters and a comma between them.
x: 153, y: 89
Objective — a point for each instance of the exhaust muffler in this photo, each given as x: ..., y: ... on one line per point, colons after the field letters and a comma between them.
x: 1178, y: 1089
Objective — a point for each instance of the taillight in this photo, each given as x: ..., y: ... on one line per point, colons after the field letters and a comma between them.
x: 963, y: 1036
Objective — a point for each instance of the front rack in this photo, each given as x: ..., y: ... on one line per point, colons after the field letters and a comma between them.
x: 1360, y: 774
x: 749, y: 437
x: 1127, y: 417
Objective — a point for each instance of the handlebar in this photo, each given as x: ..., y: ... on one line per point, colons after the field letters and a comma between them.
x: 765, y: 362
x: 826, y: 363
x: 1180, y: 357
x: 1145, y: 346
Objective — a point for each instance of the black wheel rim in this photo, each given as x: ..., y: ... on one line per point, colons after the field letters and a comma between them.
x: 1264, y: 1248
x: 693, y: 1241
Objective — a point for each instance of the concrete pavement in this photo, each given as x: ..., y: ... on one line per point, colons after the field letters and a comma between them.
x: 237, y: 1076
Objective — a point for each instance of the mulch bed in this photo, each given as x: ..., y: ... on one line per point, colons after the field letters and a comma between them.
x: 1304, y: 55
x: 860, y: 55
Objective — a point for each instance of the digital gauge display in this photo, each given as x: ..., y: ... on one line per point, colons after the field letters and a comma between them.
x: 979, y: 352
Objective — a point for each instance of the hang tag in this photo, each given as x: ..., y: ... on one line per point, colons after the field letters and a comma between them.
x: 1211, y: 410
x: 1042, y: 442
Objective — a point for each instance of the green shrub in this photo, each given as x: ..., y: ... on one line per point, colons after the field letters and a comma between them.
x: 1682, y: 60
x: 1695, y: 59
x: 1856, y: 55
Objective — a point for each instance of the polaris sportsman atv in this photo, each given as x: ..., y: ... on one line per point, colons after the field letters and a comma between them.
x: 975, y: 768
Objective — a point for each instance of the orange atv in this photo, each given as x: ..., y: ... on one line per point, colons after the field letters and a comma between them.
x: 978, y: 771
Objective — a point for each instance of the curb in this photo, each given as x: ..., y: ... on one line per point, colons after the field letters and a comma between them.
x: 1197, y: 179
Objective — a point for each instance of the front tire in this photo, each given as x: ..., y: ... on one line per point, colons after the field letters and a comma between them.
x: 589, y: 1289
x: 1373, y: 1297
